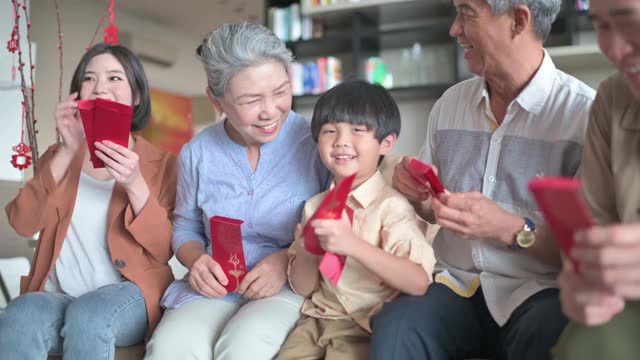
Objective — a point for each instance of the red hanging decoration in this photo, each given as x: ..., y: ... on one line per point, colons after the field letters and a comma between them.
x: 21, y: 160
x: 12, y: 44
x: 111, y: 32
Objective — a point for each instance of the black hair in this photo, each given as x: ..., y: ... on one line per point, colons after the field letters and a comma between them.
x: 357, y: 102
x: 135, y: 74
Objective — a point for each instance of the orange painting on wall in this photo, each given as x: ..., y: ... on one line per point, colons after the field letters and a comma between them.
x: 170, y: 125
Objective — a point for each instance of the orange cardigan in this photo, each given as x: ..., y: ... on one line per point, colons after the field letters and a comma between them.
x: 140, y: 247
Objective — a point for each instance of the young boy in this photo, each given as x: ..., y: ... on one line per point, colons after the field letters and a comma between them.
x: 386, y: 252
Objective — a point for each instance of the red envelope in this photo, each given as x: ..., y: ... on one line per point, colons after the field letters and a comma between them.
x: 105, y: 120
x: 112, y: 122
x: 227, y: 250
x: 330, y: 208
x: 331, y: 265
x: 564, y: 209
x: 424, y: 174
x: 87, y: 111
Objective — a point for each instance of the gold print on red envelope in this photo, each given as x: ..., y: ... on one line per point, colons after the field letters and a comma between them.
x: 227, y: 249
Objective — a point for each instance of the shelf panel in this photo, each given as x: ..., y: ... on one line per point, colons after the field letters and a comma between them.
x: 434, y: 32
x: 327, y: 45
x: 411, y: 92
x: 577, y: 56
x: 380, y: 11
x: 440, y: 25
x: 344, y: 6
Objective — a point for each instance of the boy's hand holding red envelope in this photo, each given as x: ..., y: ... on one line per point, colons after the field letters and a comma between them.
x: 336, y: 235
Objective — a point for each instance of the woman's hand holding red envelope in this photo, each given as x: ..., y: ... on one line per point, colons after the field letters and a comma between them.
x: 69, y: 124
x: 266, y: 278
x: 207, y: 277
x: 124, y: 165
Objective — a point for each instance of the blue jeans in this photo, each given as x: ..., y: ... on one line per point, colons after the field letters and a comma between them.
x: 88, y: 327
x: 443, y: 325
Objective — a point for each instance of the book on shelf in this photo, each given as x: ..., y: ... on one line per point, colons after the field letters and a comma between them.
x: 315, y: 77
x: 582, y: 4
x: 288, y: 24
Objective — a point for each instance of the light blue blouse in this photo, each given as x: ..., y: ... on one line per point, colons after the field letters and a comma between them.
x: 215, y: 178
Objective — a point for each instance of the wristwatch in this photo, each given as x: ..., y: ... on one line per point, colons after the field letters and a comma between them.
x: 526, y: 237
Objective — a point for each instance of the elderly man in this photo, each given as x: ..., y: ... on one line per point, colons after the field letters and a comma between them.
x: 495, y: 293
x: 602, y: 299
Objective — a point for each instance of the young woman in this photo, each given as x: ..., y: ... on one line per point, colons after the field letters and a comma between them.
x: 100, y: 267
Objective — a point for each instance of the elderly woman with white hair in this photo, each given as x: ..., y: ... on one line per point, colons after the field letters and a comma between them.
x: 494, y: 292
x: 259, y: 164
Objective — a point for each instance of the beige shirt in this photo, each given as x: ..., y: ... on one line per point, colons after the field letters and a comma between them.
x: 611, y: 158
x: 384, y: 218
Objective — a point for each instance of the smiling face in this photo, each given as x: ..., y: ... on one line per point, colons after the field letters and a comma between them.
x: 617, y: 23
x: 257, y: 102
x: 105, y: 78
x: 347, y: 148
x: 483, y: 36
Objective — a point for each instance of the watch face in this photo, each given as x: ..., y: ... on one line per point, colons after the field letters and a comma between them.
x: 526, y: 238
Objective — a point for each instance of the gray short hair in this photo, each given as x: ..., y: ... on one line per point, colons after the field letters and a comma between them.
x: 234, y: 47
x: 543, y: 12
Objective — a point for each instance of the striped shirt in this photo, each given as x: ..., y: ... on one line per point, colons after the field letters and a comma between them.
x: 542, y: 135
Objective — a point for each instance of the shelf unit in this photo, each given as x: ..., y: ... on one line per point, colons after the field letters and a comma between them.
x: 357, y: 30
x: 347, y: 6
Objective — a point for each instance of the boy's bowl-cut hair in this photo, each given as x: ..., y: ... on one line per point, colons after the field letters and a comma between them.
x: 357, y: 102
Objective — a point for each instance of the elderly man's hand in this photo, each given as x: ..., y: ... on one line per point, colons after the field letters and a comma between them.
x: 609, y: 257
x: 472, y: 215
x: 584, y: 302
x: 406, y: 184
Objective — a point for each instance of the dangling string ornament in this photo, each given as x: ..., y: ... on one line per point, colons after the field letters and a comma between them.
x: 21, y: 160
x: 12, y: 46
x: 111, y: 32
